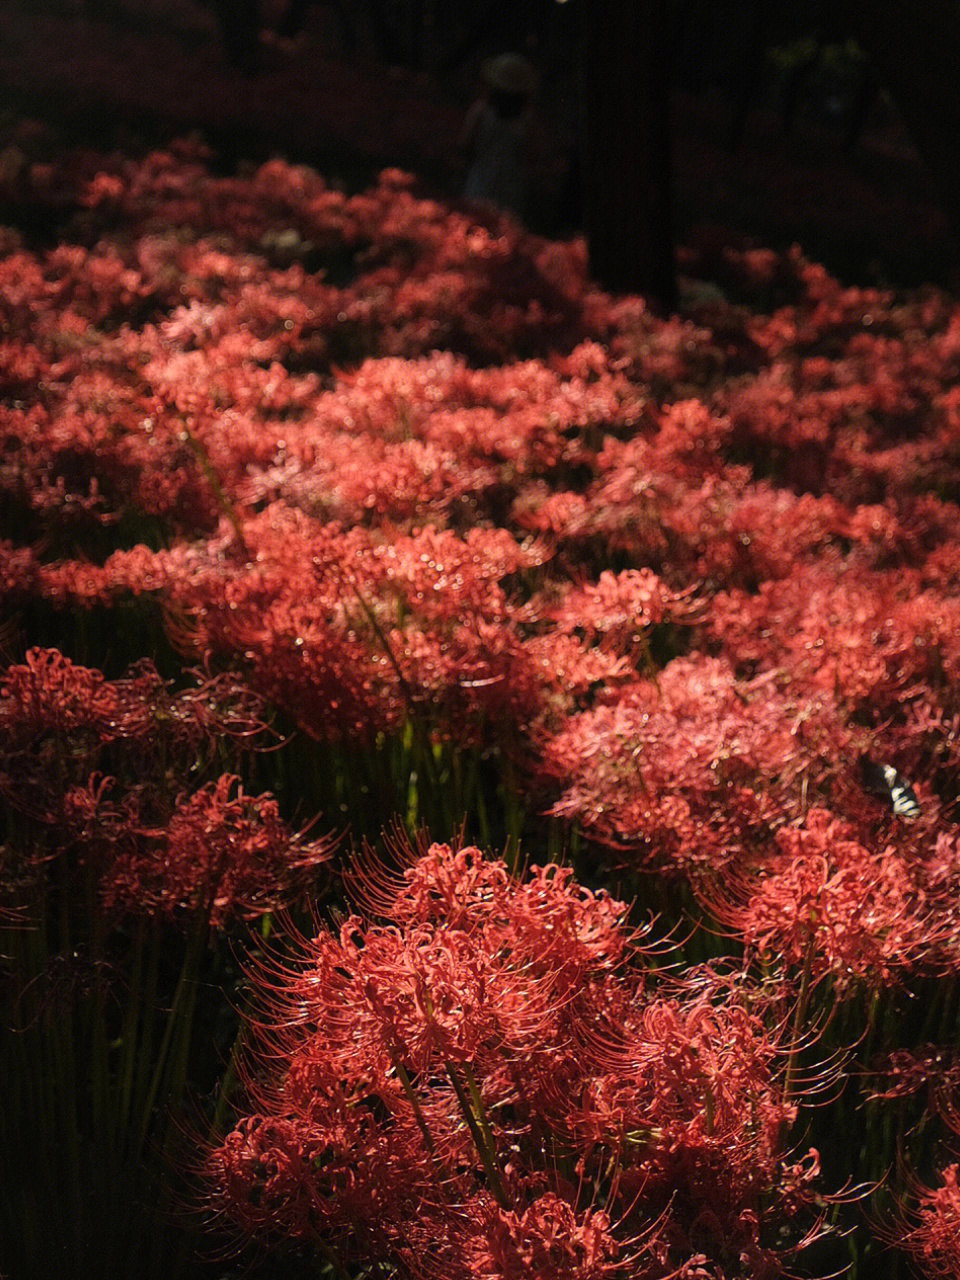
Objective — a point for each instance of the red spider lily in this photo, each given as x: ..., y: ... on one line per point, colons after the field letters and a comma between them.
x: 146, y: 850
x: 49, y: 693
x: 721, y: 1149
x: 549, y: 1239
x: 687, y: 512
x: 826, y: 905
x: 490, y: 1030
x: 333, y: 1174
x: 909, y: 1071
x: 59, y: 717
x: 932, y: 1234
x: 871, y: 638
x: 690, y: 770
x: 938, y: 871
x: 545, y: 920
x: 63, y: 721
x: 619, y: 607
x: 348, y: 632
x: 224, y: 854
x: 471, y: 965
x: 569, y: 671
x: 218, y: 852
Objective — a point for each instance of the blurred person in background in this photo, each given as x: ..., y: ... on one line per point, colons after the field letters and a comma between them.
x: 496, y: 140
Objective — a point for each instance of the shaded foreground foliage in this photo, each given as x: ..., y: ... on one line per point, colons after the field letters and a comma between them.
x: 324, y: 513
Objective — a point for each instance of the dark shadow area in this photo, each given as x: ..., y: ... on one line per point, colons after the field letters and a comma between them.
x: 780, y: 135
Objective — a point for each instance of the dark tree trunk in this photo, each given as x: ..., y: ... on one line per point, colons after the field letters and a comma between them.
x: 916, y: 49
x: 239, y: 22
x: 626, y: 62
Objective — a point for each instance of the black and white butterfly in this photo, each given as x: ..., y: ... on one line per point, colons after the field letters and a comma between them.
x: 883, y: 779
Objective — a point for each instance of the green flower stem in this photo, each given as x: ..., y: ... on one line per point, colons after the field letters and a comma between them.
x: 142, y: 1048
x: 485, y: 1149
x: 480, y: 1111
x: 176, y: 1033
x: 228, y: 1080
x: 404, y: 1077
x: 206, y: 466
x: 799, y: 1014
x: 128, y: 1033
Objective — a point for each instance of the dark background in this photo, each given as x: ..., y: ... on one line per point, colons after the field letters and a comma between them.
x: 659, y: 121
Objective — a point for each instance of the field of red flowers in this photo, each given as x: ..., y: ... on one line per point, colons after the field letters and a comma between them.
x: 480, y: 761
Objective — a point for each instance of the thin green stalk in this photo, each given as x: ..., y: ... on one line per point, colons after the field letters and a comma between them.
x: 332, y: 1260
x: 143, y: 1048
x: 936, y: 1007
x: 487, y: 1152
x: 411, y: 1094
x: 178, y: 1021
x: 228, y: 1080
x: 476, y: 1122
x: 799, y: 1014
x: 513, y: 813
x: 387, y: 648
x: 128, y: 1032
x: 421, y: 740
x: 180, y: 1055
x: 483, y: 818
x: 101, y: 1092
x: 62, y: 1030
x: 479, y: 1109
x: 206, y: 466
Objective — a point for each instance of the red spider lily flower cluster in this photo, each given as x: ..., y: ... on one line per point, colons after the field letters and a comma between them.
x: 823, y: 904
x: 60, y: 719
x: 927, y: 1067
x: 404, y: 479
x: 692, y: 769
x: 151, y: 847
x: 927, y: 1225
x: 225, y: 855
x: 933, y: 1238
x: 487, y: 1070
x: 347, y: 519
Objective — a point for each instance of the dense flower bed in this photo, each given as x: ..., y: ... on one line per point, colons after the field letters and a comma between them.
x: 348, y: 510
